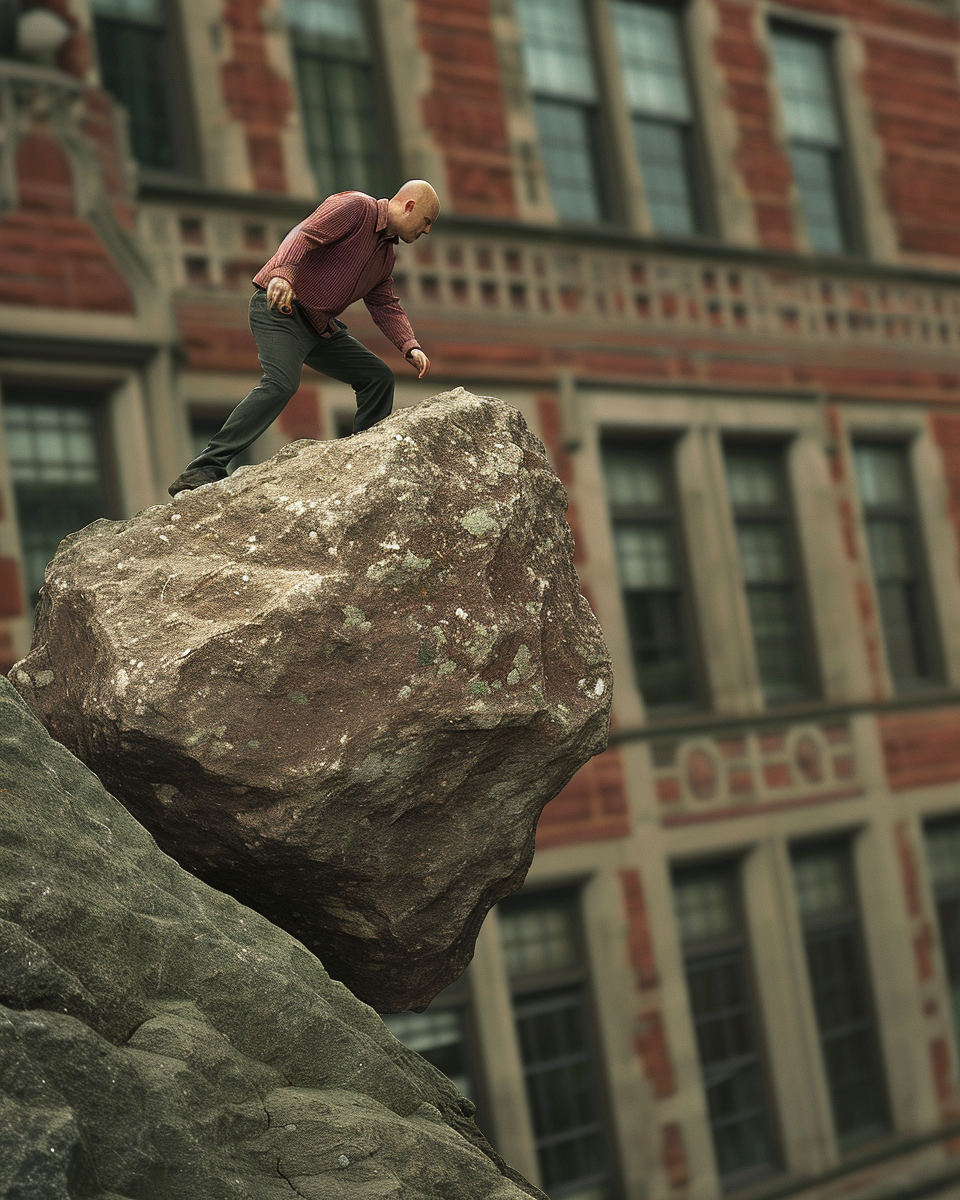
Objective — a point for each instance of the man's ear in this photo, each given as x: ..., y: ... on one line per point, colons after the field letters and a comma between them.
x: 409, y: 205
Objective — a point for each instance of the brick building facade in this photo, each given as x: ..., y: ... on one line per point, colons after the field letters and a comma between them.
x: 712, y: 251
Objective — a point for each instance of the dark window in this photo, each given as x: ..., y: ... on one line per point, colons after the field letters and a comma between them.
x: 133, y: 46
x: 768, y: 563
x: 943, y: 856
x: 57, y: 457
x: 893, y: 535
x: 655, y: 78
x: 714, y: 941
x: 334, y: 61
x: 202, y: 430
x: 560, y: 74
x: 439, y: 1034
x: 545, y: 966
x: 807, y: 96
x: 646, y: 534
x: 9, y: 13
x: 839, y: 980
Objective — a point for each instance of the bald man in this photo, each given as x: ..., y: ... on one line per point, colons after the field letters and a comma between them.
x: 342, y: 253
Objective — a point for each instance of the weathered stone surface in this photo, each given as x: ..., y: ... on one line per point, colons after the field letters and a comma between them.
x: 340, y: 685
x: 159, y: 1039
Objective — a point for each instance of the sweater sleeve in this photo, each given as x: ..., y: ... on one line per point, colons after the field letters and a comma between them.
x: 384, y: 306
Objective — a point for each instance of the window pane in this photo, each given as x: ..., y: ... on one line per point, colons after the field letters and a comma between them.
x: 664, y: 157
x: 562, y: 1087
x: 806, y: 89
x: 763, y: 553
x: 135, y: 70
x: 57, y: 477
x: 559, y: 1059
x: 537, y: 939
x: 645, y: 557
x: 882, y: 475
x: 823, y: 883
x: 326, y: 20
x: 440, y: 1037
x: 648, y: 38
x: 943, y: 854
x: 754, y: 478
x: 336, y: 82
x: 894, y: 542
x: 721, y: 1001
x: 815, y: 173
x: 566, y: 146
x: 556, y: 48
x: 646, y: 539
x: 764, y: 528
x: 706, y: 905
x: 636, y: 478
x: 823, y: 877
x: 147, y: 12
x: 775, y: 623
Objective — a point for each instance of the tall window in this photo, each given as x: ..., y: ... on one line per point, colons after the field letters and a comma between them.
x: 808, y: 98
x: 133, y: 46
x: 9, y: 12
x: 943, y: 856
x: 547, y: 974
x: 56, y: 453
x: 560, y: 74
x: 768, y: 562
x: 839, y: 980
x: 650, y: 560
x: 331, y: 46
x: 714, y: 940
x: 893, y: 535
x: 654, y: 74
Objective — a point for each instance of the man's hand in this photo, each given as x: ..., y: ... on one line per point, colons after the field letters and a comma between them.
x: 280, y: 293
x: 418, y: 359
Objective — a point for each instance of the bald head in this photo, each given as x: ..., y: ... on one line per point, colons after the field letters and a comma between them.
x: 412, y: 210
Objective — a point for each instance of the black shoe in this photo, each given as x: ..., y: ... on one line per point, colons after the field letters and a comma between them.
x: 189, y: 480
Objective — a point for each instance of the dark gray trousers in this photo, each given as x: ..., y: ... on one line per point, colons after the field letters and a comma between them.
x: 284, y: 344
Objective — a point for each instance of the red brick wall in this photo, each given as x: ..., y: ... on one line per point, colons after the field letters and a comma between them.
x: 464, y: 110
x: 256, y: 95
x: 915, y: 96
x: 591, y: 808
x: 48, y: 256
x: 761, y: 164
x: 920, y: 749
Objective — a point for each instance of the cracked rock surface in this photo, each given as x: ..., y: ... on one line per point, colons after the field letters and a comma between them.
x: 158, y: 1039
x: 340, y: 685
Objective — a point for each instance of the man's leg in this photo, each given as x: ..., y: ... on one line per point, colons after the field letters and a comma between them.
x: 342, y: 357
x: 282, y: 344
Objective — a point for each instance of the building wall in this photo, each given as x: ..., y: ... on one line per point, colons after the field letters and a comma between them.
x: 130, y: 285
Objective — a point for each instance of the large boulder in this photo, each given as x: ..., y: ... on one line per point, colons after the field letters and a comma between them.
x: 340, y: 685
x: 159, y: 1039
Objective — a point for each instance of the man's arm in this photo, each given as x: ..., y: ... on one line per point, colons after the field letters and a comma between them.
x: 389, y: 317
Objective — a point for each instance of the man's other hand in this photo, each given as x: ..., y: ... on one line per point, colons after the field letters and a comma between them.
x: 279, y: 293
x: 419, y: 361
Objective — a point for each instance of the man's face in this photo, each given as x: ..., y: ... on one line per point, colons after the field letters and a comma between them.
x: 419, y: 220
